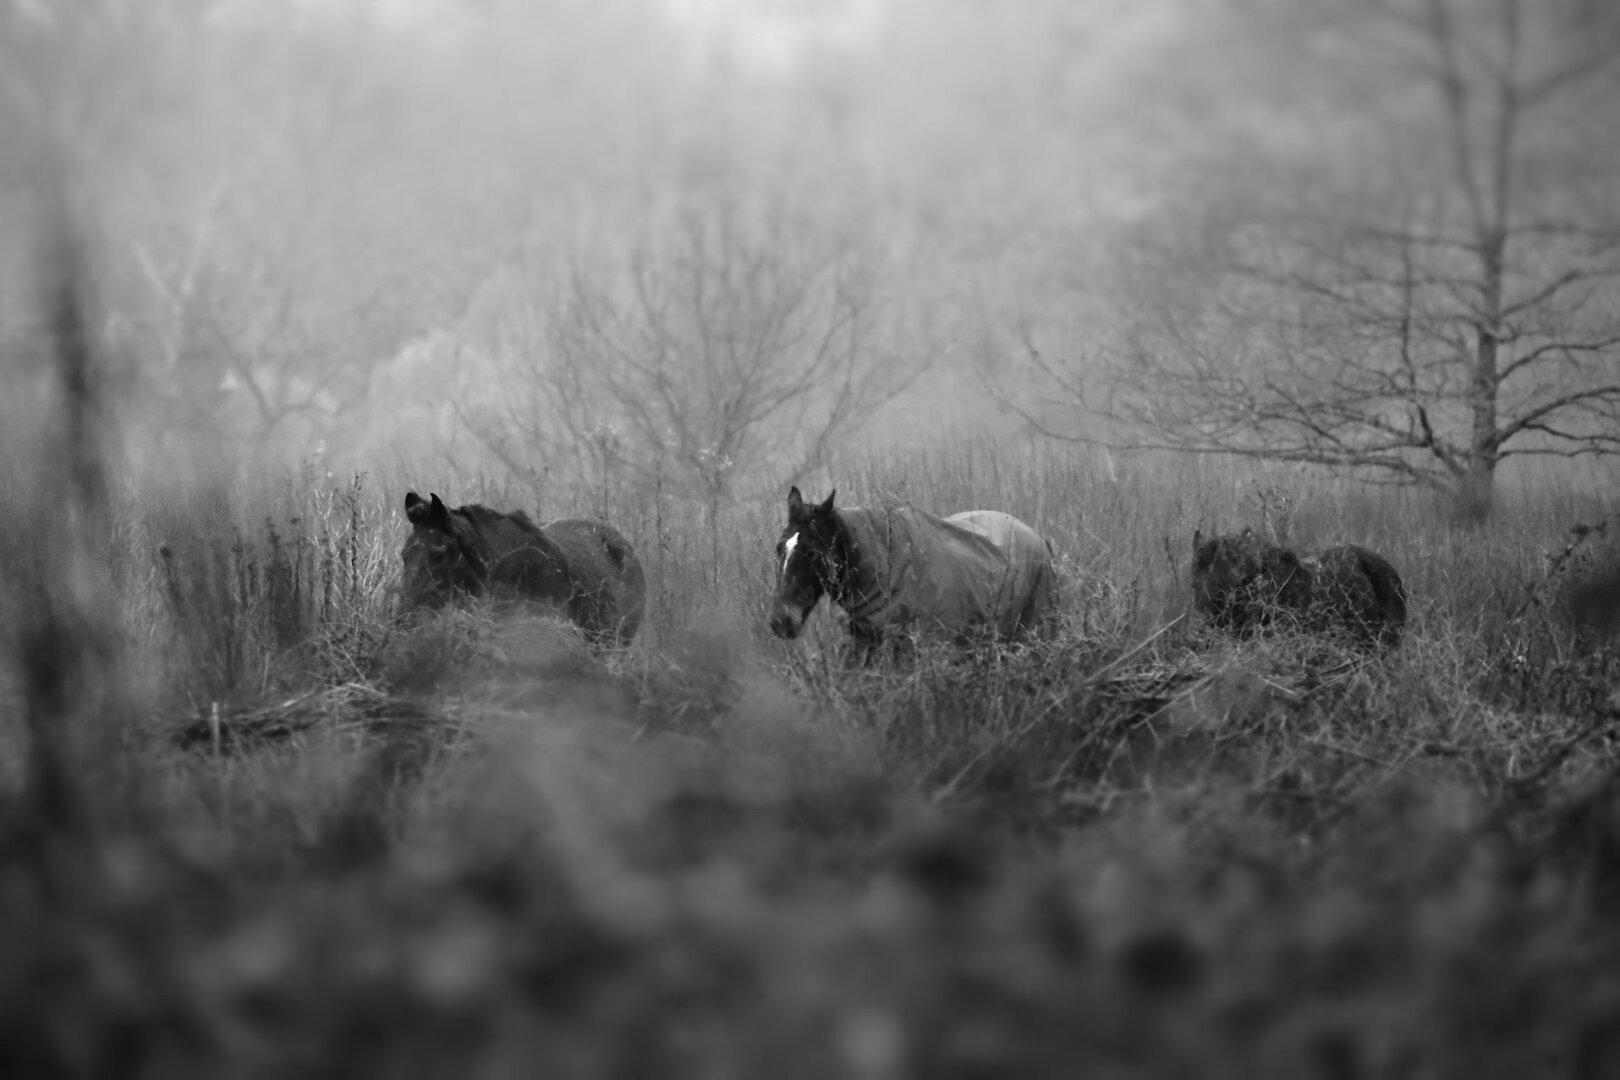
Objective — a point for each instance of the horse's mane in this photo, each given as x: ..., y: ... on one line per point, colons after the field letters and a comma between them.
x: 483, y: 518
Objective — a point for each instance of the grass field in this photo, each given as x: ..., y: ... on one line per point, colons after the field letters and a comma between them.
x: 297, y: 836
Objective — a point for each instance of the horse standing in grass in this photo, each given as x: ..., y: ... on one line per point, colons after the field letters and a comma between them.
x: 892, y: 570
x: 586, y: 568
x: 1243, y: 584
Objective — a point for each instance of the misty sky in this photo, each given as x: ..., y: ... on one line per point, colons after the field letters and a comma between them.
x: 332, y: 221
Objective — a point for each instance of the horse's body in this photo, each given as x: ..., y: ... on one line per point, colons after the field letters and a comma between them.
x: 586, y: 568
x: 895, y: 570
x: 1244, y: 584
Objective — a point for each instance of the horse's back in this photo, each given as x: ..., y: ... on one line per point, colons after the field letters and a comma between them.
x: 1013, y: 537
x: 610, y: 587
x: 980, y: 567
x: 584, y: 540
x: 1027, y: 591
x: 1245, y: 584
x: 1361, y: 586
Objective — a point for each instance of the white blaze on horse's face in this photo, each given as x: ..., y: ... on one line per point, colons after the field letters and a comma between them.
x: 790, y: 608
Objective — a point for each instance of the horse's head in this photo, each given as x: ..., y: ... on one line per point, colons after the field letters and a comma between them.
x: 810, y: 560
x: 440, y: 556
x: 1239, y: 579
x: 1221, y: 565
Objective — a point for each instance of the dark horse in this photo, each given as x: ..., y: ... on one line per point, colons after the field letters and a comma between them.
x: 895, y: 569
x: 585, y: 567
x: 1243, y: 584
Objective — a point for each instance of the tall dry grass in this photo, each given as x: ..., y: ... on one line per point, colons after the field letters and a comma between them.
x: 467, y: 845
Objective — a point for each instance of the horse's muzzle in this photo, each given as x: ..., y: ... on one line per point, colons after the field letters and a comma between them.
x: 784, y: 625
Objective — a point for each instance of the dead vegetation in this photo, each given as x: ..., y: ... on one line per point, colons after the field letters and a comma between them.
x: 308, y: 835
x: 469, y: 842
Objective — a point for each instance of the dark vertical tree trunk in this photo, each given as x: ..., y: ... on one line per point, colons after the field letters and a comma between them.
x: 1476, y: 493
x: 1487, y: 182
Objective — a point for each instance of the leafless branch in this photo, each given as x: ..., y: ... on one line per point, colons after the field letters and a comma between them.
x: 723, y: 339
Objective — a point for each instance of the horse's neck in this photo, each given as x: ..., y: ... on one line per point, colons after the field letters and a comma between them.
x: 863, y: 586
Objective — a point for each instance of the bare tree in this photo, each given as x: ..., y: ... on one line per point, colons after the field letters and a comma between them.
x: 1458, y: 312
x: 273, y: 232
x: 727, y: 347
x: 282, y: 288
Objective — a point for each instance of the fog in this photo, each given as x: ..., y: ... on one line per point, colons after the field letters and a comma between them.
x: 394, y: 232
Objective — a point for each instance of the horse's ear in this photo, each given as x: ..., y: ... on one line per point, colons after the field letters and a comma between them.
x: 416, y: 511
x: 437, y: 514
x: 826, y: 508
x: 1198, y: 538
x: 795, y: 502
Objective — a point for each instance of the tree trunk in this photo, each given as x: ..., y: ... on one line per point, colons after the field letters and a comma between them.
x: 1475, y: 492
x: 1477, y: 487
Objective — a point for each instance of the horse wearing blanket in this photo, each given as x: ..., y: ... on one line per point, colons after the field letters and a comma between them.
x: 894, y: 570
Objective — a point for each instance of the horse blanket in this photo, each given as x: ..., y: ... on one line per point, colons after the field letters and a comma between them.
x: 981, y: 568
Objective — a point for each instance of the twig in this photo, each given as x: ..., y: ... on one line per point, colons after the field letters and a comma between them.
x: 1096, y: 676
x: 1558, y: 755
x: 1348, y: 752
